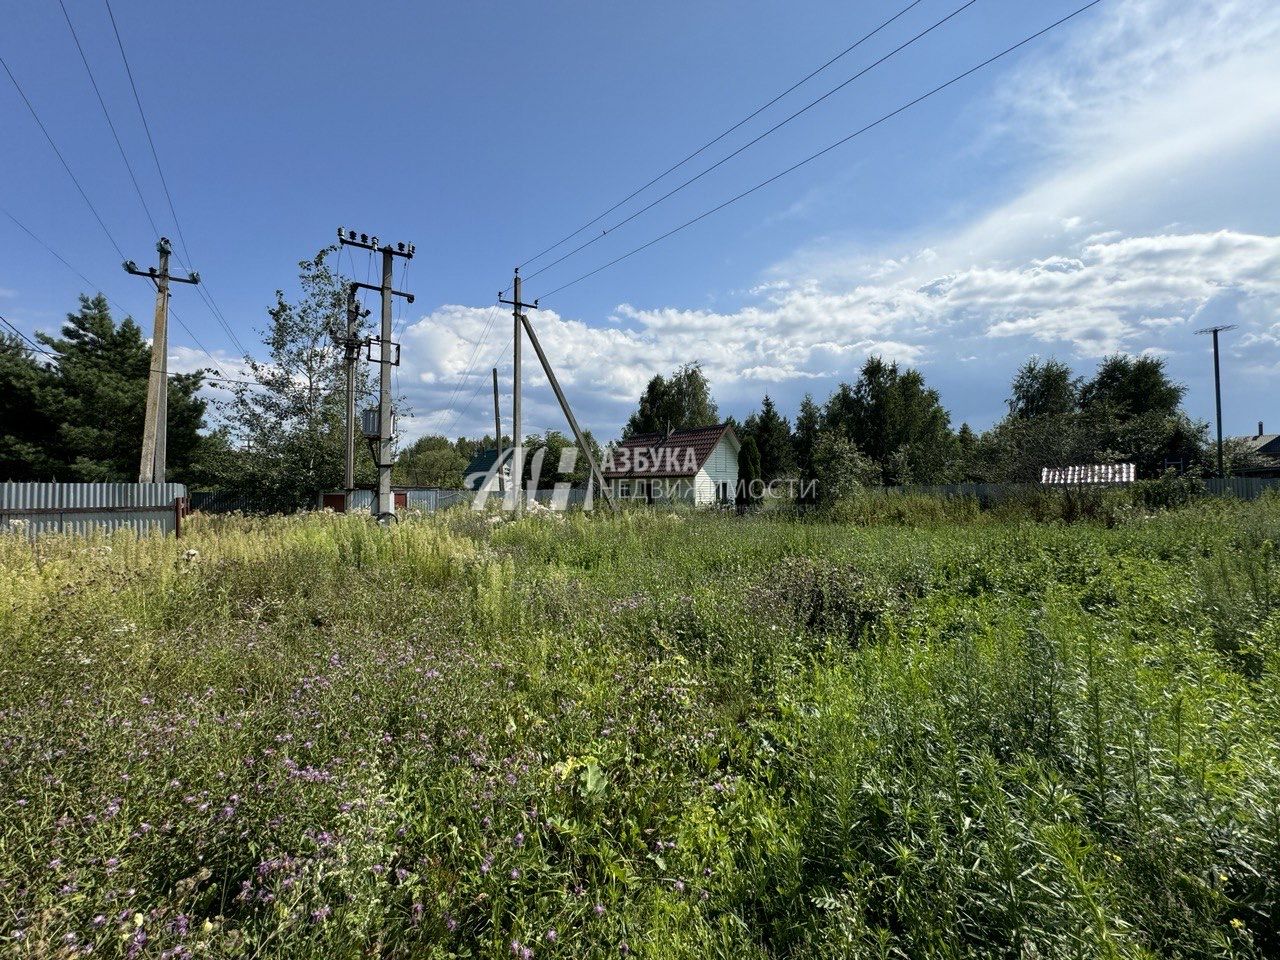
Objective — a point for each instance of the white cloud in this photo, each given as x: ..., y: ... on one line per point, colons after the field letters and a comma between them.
x: 1131, y: 221
x: 1131, y: 293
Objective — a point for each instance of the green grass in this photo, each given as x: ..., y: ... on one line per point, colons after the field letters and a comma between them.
x: 656, y: 735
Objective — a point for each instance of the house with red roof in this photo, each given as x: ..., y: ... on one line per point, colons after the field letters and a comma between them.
x: 698, y: 467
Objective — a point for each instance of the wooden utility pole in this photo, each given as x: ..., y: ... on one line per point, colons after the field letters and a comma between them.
x: 1217, y: 384
x: 351, y: 351
x: 155, y: 427
x: 497, y: 431
x: 517, y: 442
x: 388, y: 356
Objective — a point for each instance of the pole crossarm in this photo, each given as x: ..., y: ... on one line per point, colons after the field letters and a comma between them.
x: 377, y: 289
x: 350, y: 238
x: 153, y: 274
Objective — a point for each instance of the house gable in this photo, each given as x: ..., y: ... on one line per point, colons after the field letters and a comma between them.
x: 681, y: 453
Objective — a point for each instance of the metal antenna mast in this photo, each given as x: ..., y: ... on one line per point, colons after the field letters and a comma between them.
x: 155, y: 428
x: 1217, y: 383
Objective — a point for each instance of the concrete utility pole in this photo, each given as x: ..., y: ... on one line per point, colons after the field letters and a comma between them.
x: 155, y: 428
x: 497, y: 430
x: 568, y: 412
x: 517, y: 441
x: 351, y: 351
x: 388, y: 356
x: 1217, y: 384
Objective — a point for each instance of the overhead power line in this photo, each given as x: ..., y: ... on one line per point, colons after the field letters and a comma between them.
x: 825, y: 150
x: 63, y: 260
x: 146, y: 127
x: 95, y: 286
x: 88, y: 202
x: 107, y: 115
x: 205, y: 294
x: 475, y: 393
x: 750, y: 143
x: 466, y: 371
x: 37, y: 349
x: 714, y: 140
x: 31, y: 343
x: 63, y: 160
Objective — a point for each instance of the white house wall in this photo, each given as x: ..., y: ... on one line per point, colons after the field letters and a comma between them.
x: 721, y: 467
x: 704, y: 488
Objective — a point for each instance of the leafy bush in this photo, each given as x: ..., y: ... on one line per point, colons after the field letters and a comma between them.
x: 1168, y: 491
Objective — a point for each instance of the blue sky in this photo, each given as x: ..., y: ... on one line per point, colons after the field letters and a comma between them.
x: 1110, y: 187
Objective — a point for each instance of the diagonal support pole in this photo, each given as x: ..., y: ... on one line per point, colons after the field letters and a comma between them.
x: 568, y: 412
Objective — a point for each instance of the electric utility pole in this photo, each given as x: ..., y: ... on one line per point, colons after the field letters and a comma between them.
x: 1217, y: 383
x: 517, y: 442
x: 155, y: 427
x: 497, y: 431
x: 388, y: 356
x: 351, y: 351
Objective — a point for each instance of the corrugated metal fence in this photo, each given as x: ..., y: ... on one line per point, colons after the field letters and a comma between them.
x: 431, y: 500
x: 427, y: 500
x: 1243, y: 488
x: 82, y: 508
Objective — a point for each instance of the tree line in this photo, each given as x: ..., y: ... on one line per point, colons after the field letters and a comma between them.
x: 888, y: 427
x: 72, y: 409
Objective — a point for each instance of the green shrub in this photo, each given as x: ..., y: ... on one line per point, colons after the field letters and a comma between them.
x: 1168, y: 491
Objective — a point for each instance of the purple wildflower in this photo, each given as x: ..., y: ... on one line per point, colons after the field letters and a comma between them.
x: 136, y: 943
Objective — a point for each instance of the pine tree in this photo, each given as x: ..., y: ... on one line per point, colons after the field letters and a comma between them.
x: 25, y: 424
x: 748, y: 470
x: 97, y: 397
x: 772, y: 434
x: 805, y: 440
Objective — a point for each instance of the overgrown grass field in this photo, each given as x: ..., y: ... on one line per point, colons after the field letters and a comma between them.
x: 646, y: 735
